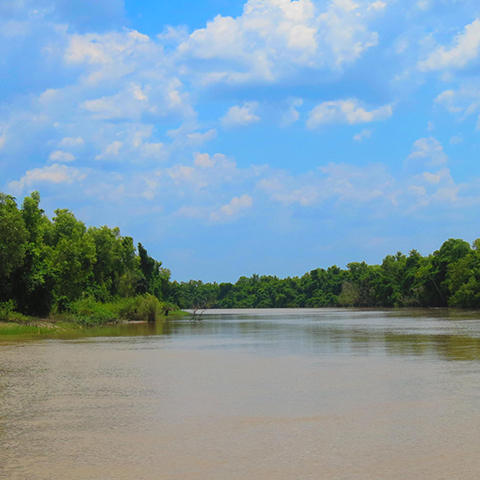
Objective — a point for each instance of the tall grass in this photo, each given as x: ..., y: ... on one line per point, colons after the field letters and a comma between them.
x: 16, y: 329
x: 90, y: 312
x: 8, y: 313
x: 86, y: 312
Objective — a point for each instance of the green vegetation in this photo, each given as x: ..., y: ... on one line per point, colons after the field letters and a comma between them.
x: 36, y: 328
x: 450, y: 277
x: 61, y: 269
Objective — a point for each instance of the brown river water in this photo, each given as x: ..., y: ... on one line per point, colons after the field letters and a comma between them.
x: 247, y: 394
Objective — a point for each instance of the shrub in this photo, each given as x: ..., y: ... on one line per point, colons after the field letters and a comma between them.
x: 8, y: 313
x: 89, y: 312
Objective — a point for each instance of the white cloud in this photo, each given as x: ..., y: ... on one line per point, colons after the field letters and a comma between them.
x: 202, y: 174
x: 438, y: 187
x: 131, y: 103
x: 236, y: 206
x: 72, y: 142
x: 241, y: 115
x: 131, y: 145
x: 197, y: 138
x: 465, y: 49
x: 304, y: 196
x: 154, y: 150
x: 430, y: 150
x: 418, y: 190
x: 111, y: 150
x: 3, y: 134
x: 378, y: 5
x: 192, y: 212
x: 181, y: 172
x: 343, y: 182
x: 55, y: 173
x: 273, y: 38
x: 360, y: 184
x: 424, y: 4
x: 362, y: 135
x: 456, y: 139
x: 345, y: 111
x: 94, y: 48
x: 291, y: 115
x: 59, y: 156
x: 444, y: 173
x: 203, y: 160
x: 462, y: 102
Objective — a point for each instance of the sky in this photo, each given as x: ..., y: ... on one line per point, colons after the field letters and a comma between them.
x: 232, y: 138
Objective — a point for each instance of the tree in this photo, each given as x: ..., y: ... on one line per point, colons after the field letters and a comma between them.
x: 13, y: 236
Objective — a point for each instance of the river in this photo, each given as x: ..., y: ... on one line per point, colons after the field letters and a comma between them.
x: 247, y: 394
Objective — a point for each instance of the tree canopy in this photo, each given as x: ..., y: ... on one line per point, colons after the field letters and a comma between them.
x: 47, y: 264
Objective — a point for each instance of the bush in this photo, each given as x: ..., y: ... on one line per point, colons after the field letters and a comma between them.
x: 141, y: 308
x: 89, y: 312
x: 8, y: 313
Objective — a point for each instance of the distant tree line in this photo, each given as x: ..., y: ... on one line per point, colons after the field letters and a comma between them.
x: 448, y: 277
x: 48, y: 264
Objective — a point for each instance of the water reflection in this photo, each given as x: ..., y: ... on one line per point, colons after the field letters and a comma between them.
x: 274, y: 395
x: 446, y: 334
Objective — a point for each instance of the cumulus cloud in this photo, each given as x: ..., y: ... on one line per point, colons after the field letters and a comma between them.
x: 55, y: 173
x: 291, y: 115
x: 72, y: 142
x: 345, y: 111
x: 444, y: 173
x: 428, y: 150
x: 109, y: 48
x: 378, y: 5
x: 462, y: 102
x: 465, y: 49
x: 236, y: 206
x: 274, y: 38
x: 456, y: 139
x: 204, y: 160
x: 241, y: 115
x: 197, y: 138
x: 112, y: 150
x: 342, y: 182
x: 360, y: 184
x: 200, y: 175
x: 132, y: 145
x: 438, y: 187
x: 117, y: 92
x: 59, y: 156
x: 362, y: 135
x: 153, y: 150
x: 132, y: 102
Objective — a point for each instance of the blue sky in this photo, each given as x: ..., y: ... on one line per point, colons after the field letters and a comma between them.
x: 233, y: 138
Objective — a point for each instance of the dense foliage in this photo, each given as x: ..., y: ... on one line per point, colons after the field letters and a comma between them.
x: 60, y: 265
x: 448, y: 277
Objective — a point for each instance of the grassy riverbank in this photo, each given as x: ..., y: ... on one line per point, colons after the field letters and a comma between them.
x: 37, y: 327
x: 86, y: 313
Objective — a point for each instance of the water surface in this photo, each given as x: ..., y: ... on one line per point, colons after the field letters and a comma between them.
x: 248, y: 394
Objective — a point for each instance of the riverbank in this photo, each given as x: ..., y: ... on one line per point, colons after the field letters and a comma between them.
x: 86, y: 313
x: 30, y: 326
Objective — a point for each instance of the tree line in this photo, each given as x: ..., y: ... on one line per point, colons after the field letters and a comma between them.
x: 450, y: 277
x: 61, y: 265
x: 48, y: 265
